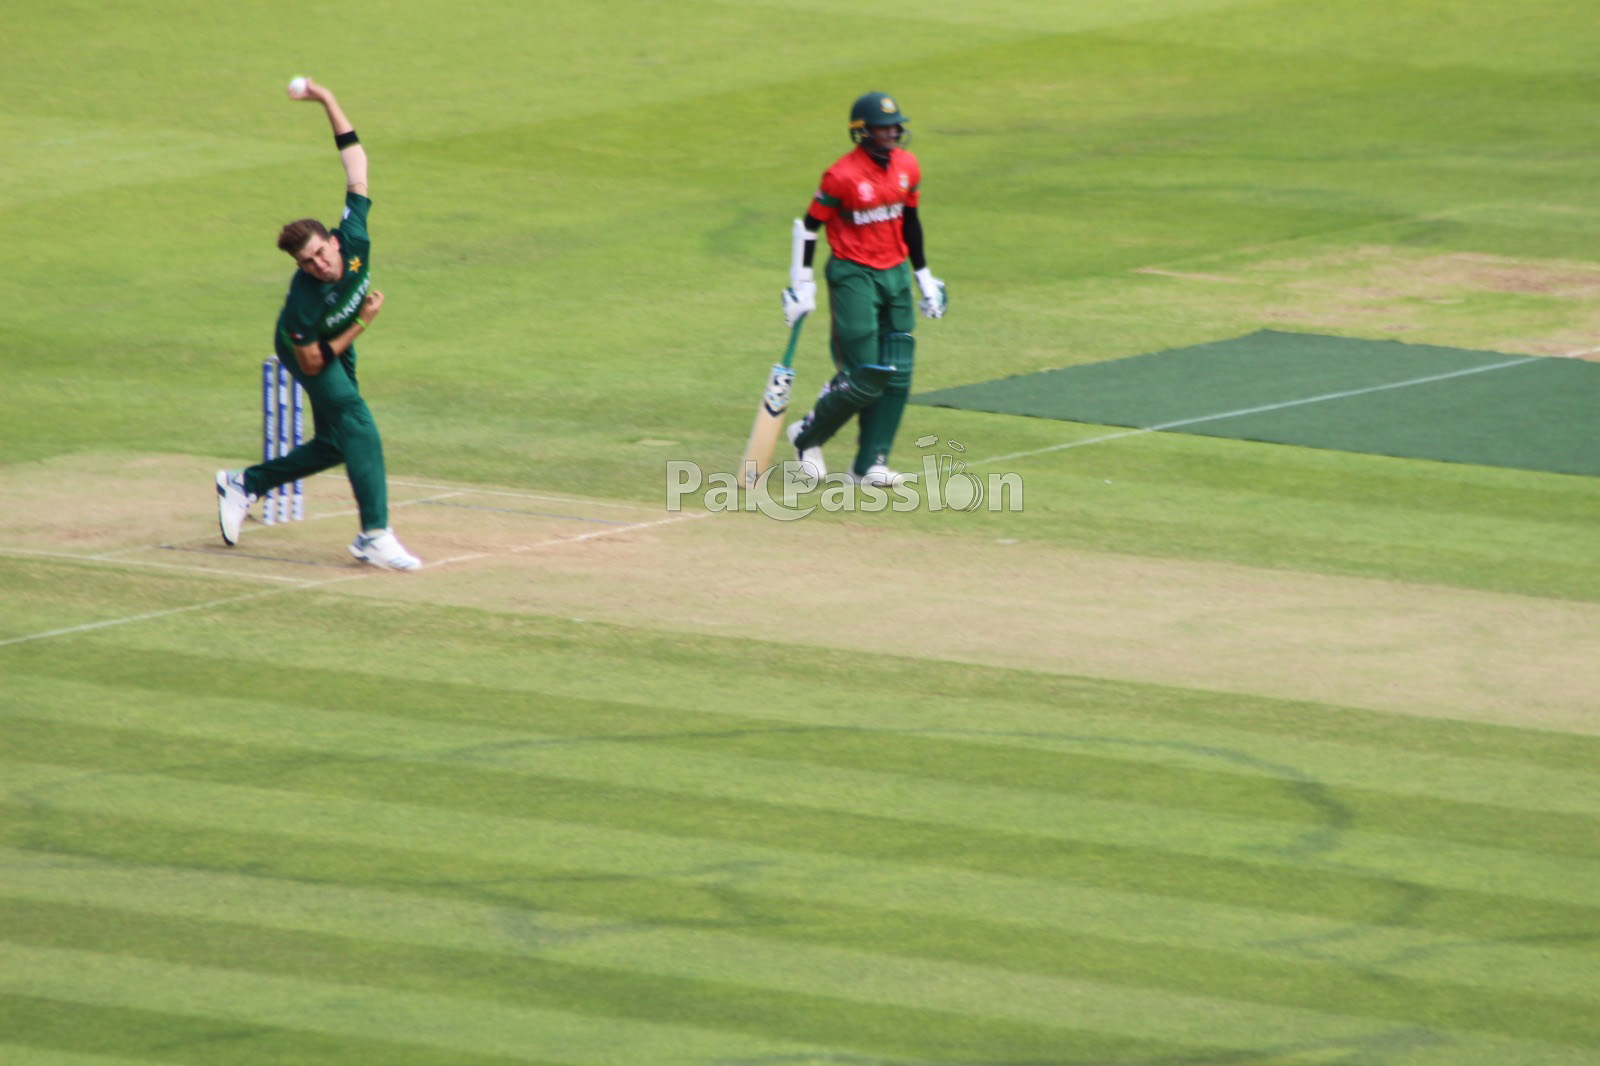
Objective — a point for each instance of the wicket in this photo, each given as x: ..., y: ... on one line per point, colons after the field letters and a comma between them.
x: 282, y: 430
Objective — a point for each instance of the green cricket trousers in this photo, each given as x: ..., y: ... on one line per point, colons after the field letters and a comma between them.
x: 872, y: 316
x: 343, y: 431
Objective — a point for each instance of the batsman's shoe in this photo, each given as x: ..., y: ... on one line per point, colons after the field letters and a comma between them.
x: 881, y: 477
x: 233, y: 504
x: 812, y: 465
x: 381, y: 547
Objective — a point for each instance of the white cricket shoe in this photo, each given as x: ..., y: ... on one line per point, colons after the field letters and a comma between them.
x: 382, y: 548
x: 880, y: 476
x: 233, y: 504
x: 812, y: 465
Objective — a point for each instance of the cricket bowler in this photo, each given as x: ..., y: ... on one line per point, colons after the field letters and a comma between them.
x: 867, y: 203
x: 331, y: 302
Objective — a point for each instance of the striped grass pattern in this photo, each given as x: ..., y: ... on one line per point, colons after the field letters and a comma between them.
x: 289, y: 821
x: 774, y: 869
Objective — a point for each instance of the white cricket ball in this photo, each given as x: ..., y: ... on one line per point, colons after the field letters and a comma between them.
x: 297, y: 86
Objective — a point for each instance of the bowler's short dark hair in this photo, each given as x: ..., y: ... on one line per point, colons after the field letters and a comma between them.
x: 294, y: 236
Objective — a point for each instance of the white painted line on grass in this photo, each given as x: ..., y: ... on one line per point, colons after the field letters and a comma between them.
x: 1258, y: 410
x: 302, y: 586
x: 225, y: 601
x: 596, y: 533
x: 119, y: 557
x: 593, y: 534
x: 471, y: 491
x: 347, y: 512
x: 524, y: 513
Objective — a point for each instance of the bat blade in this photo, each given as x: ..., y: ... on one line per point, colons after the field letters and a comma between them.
x: 769, y: 414
x: 768, y: 424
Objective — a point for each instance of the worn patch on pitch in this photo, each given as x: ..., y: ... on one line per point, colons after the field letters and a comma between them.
x: 1380, y: 397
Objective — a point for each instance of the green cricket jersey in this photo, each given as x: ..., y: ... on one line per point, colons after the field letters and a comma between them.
x: 315, y: 310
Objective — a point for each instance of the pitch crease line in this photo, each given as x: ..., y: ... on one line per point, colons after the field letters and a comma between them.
x: 246, y: 597
x: 439, y: 501
x: 347, y: 512
x: 150, y: 615
x: 1264, y: 407
x: 119, y: 558
x: 472, y: 491
x: 591, y: 535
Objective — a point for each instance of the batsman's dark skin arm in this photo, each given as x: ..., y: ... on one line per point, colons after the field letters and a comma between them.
x: 911, y: 227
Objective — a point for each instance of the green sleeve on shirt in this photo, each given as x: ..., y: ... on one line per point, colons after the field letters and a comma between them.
x: 354, y: 220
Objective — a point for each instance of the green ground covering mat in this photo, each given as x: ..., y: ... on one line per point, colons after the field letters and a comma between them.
x: 1380, y: 397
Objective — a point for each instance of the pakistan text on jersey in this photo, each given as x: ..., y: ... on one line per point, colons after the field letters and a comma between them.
x: 350, y: 305
x: 877, y: 214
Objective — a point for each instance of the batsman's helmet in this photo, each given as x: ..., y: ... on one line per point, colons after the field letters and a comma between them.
x: 875, y: 109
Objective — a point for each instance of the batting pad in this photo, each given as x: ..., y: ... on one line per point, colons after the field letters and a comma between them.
x: 1414, y: 401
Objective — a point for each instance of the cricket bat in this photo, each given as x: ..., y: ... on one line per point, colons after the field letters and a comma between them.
x: 769, y: 413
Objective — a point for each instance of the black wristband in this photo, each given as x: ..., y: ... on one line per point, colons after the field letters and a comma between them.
x: 345, y: 140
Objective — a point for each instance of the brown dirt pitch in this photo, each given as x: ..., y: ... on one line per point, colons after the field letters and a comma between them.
x: 823, y: 582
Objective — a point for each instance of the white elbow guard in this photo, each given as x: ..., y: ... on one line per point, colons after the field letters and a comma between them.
x: 798, y: 271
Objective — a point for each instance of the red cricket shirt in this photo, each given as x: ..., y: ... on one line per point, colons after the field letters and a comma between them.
x: 863, y: 205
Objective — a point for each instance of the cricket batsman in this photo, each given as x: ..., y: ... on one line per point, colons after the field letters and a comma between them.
x: 868, y: 204
x: 330, y: 303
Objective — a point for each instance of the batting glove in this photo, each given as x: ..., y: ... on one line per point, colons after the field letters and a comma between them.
x: 800, y: 298
x: 933, y: 301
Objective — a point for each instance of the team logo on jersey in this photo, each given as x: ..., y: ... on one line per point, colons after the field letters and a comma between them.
x: 354, y: 264
x: 905, y: 182
x: 866, y: 192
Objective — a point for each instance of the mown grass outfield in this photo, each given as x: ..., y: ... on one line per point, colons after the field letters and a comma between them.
x: 1215, y: 753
